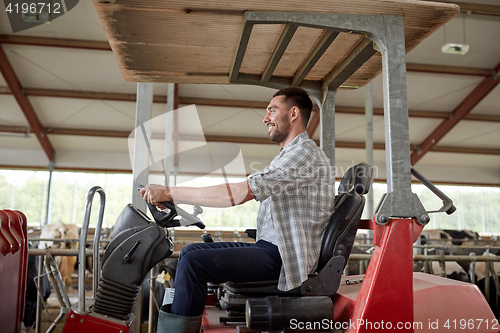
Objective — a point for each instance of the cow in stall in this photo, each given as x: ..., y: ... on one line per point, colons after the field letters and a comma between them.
x: 459, y: 237
x: 452, y: 270
x: 479, y: 274
x: 61, y: 230
x: 460, y: 270
x: 435, y: 236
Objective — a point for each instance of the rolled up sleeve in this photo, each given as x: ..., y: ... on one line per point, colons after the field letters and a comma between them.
x: 282, y: 176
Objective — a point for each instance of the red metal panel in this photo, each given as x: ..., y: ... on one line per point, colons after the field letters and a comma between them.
x: 19, y: 227
x: 439, y: 305
x: 24, y: 273
x: 445, y: 305
x: 85, y: 323
x: 5, y: 238
x: 14, y: 245
x: 410, y: 302
x: 13, y: 262
x: 210, y: 322
x: 386, y: 295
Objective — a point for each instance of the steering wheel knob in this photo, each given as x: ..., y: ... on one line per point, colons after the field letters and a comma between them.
x: 197, y: 210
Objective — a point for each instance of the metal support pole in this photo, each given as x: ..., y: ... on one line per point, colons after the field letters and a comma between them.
x: 168, y: 162
x: 472, y: 269
x: 152, y: 309
x: 176, y: 145
x: 399, y: 201
x: 369, y: 147
x: 142, y: 153
x: 327, y: 127
x: 49, y: 192
x: 39, y: 299
x: 369, y: 139
x: 397, y: 137
x: 487, y: 268
x: 176, y: 132
x: 426, y: 262
x: 81, y: 308
x: 142, y: 141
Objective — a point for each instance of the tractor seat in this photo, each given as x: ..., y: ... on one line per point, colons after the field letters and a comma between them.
x: 336, y: 246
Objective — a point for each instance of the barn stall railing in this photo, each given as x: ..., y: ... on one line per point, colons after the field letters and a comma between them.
x: 426, y: 259
x: 47, y: 261
x: 188, y: 237
x: 489, y: 272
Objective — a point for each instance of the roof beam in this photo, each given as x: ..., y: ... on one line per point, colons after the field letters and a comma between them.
x: 361, y: 53
x: 455, y: 70
x: 89, y: 95
x: 56, y: 42
x: 87, y: 132
x: 321, y: 46
x: 279, y: 50
x: 230, y: 103
x: 22, y: 100
x: 109, y: 170
x: 475, y: 8
x: 223, y: 102
x: 122, y: 97
x: 240, y: 53
x: 15, y: 129
x: 232, y: 139
x: 419, y: 113
x: 469, y: 103
x: 466, y: 150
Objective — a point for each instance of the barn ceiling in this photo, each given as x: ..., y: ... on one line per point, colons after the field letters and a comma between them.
x: 63, y: 98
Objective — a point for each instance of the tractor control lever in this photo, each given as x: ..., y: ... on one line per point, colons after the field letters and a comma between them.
x: 129, y: 257
x: 448, y: 206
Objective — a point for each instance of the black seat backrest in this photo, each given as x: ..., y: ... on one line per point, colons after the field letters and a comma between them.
x: 340, y: 232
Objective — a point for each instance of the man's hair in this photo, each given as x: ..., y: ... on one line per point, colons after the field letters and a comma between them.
x: 295, y: 96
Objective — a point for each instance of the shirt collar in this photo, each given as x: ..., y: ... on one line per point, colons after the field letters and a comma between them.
x: 299, y: 138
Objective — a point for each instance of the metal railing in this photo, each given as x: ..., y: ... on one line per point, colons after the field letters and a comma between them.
x: 427, y: 259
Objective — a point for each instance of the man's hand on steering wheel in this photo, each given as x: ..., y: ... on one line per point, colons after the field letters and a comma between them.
x: 156, y: 194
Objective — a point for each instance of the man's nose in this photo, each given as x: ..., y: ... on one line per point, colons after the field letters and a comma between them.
x: 266, y: 119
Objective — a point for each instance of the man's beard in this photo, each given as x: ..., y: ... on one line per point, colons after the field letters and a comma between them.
x: 279, y: 135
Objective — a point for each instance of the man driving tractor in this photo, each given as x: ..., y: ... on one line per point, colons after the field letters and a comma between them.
x: 296, y: 198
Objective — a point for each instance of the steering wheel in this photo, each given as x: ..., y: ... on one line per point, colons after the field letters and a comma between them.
x: 166, y: 220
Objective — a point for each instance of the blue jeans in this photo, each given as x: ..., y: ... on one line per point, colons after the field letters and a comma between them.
x: 220, y: 262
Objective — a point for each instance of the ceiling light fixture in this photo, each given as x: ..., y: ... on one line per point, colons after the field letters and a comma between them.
x: 42, y: 17
x: 455, y: 48
x: 452, y: 48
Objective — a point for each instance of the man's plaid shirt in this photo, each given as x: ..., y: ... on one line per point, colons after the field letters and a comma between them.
x: 297, y: 191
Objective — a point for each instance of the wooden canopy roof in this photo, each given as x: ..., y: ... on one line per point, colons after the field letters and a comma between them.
x: 195, y: 41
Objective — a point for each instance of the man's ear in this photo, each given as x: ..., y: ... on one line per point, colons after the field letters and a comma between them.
x: 295, y: 114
